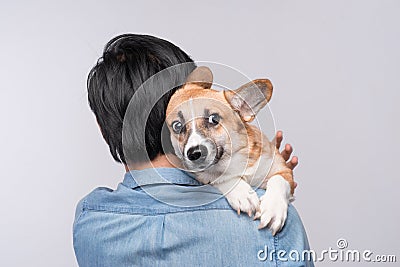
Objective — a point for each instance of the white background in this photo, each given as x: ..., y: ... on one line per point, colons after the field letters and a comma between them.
x: 335, y: 67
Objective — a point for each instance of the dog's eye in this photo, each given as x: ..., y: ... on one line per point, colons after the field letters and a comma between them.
x: 214, y: 119
x: 177, y: 126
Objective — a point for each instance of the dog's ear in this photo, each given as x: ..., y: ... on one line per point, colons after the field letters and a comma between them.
x: 201, y: 76
x: 250, y: 98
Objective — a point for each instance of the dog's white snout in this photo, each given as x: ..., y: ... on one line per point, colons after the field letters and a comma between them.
x: 194, y: 140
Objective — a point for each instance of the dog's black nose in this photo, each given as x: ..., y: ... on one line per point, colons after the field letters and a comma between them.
x: 197, y: 153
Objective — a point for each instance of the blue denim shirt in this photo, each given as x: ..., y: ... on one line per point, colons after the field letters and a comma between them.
x: 164, y: 222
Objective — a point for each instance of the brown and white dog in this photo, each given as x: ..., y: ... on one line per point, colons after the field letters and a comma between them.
x: 211, y: 135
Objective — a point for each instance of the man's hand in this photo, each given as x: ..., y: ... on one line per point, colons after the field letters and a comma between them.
x: 286, y: 152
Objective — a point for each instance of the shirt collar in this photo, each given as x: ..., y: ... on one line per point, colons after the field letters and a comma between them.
x: 150, y: 176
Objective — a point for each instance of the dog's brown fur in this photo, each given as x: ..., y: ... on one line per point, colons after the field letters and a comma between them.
x: 255, y: 143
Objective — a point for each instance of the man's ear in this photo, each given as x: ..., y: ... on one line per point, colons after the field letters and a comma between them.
x: 250, y: 98
x: 201, y: 76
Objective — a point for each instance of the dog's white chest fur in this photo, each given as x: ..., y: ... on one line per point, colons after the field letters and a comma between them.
x: 236, y: 184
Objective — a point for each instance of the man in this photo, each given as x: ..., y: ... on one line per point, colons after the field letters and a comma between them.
x: 129, y: 227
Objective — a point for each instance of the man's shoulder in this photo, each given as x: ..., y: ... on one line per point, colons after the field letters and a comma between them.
x: 138, y: 225
x: 125, y: 200
x: 113, y: 204
x: 167, y: 223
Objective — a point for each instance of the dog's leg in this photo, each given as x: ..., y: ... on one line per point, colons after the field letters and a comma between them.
x: 240, y: 195
x: 274, y: 204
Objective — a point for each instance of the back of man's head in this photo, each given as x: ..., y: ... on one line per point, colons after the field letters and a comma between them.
x: 128, y: 60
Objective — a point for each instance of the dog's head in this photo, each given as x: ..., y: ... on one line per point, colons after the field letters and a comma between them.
x: 207, y: 125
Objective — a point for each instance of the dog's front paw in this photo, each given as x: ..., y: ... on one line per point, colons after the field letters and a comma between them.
x: 243, y: 198
x: 273, y: 212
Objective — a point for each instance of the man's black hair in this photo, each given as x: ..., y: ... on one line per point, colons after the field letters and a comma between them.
x: 128, y: 60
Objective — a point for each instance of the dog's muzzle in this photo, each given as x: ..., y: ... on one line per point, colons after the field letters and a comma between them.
x: 201, y: 155
x: 197, y: 154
